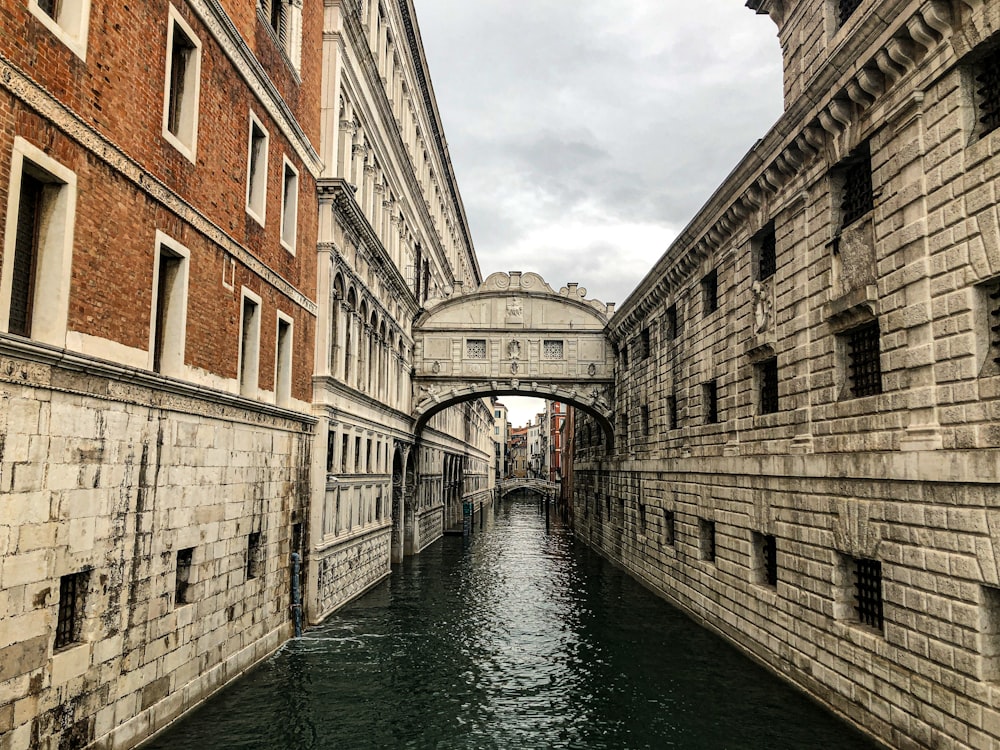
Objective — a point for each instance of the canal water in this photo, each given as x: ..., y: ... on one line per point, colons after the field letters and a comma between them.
x: 517, y: 638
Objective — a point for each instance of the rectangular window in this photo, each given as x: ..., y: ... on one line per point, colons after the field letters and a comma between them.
x: 672, y: 412
x: 710, y: 401
x: 670, y: 329
x: 331, y: 444
x: 767, y: 385
x: 864, y: 369
x: 989, y: 634
x: 289, y: 206
x: 67, y: 20
x: 475, y: 348
x: 668, y: 527
x: 249, y: 344
x: 765, y: 549
x: 169, y: 316
x: 41, y: 210
x: 644, y: 409
x: 369, y: 466
x: 766, y: 252
x: 642, y: 518
x: 257, y: 170
x: 357, y: 455
x: 182, y: 85
x: 986, y: 87
x: 710, y: 292
x: 845, y: 9
x: 343, y: 454
x: 72, y: 603
x: 642, y: 345
x: 866, y: 576
x: 854, y: 176
x: 552, y: 349
x: 254, y: 566
x: 182, y: 576
x: 706, y: 539
x: 283, y: 362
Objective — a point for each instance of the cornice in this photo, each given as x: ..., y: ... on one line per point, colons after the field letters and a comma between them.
x: 37, y: 98
x: 881, y: 52
x: 216, y: 20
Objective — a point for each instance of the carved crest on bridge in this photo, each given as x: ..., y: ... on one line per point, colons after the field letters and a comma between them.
x: 514, y: 334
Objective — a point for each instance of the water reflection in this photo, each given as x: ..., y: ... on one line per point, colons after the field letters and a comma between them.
x: 517, y: 639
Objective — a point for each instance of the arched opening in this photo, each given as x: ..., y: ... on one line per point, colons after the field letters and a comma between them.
x: 349, y: 337
x: 398, y: 488
x: 364, y: 344
x: 373, y: 356
x: 336, y: 335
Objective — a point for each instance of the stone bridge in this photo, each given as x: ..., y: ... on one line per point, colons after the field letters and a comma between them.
x: 515, y: 335
x: 538, y: 486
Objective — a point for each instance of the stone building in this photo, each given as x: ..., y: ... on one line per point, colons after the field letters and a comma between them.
x: 806, y: 452
x: 392, y: 234
x: 220, y: 219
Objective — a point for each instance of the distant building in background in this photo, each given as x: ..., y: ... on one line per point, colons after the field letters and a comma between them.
x: 517, y: 452
x: 501, y: 436
x: 555, y: 419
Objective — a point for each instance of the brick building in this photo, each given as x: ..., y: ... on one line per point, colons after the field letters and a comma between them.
x: 806, y: 455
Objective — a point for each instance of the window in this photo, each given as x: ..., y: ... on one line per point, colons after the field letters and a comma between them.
x: 182, y: 85
x: 710, y: 401
x: 475, y: 349
x: 845, y: 9
x: 642, y: 518
x: 986, y: 91
x: 289, y: 206
x: 668, y: 527
x: 670, y: 329
x: 357, y: 455
x: 68, y: 20
x: 283, y: 361
x: 706, y: 539
x: 989, y: 634
x: 864, y: 370
x: 72, y: 602
x: 854, y: 177
x: 766, y: 252
x: 182, y: 578
x: 864, y: 581
x: 331, y: 444
x: 343, y: 454
x: 641, y: 344
x: 767, y: 385
x: 254, y: 562
x: 988, y: 328
x: 765, y: 550
x: 552, y: 349
x: 369, y: 466
x: 672, y: 412
x: 41, y: 211
x: 169, y: 313
x: 710, y: 292
x: 257, y: 170
x: 284, y: 19
x: 249, y: 344
x: 644, y: 412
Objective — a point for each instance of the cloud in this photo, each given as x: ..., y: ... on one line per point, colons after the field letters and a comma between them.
x: 584, y: 135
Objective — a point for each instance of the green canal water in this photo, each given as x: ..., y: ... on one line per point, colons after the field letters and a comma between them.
x: 517, y: 638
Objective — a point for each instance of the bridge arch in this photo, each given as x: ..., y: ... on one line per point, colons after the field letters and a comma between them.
x: 514, y: 334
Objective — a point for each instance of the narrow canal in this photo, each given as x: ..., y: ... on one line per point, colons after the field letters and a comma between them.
x: 517, y: 639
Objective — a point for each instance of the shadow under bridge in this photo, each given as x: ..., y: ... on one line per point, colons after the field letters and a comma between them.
x: 515, y: 335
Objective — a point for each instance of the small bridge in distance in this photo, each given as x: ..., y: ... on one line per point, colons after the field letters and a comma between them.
x: 540, y: 487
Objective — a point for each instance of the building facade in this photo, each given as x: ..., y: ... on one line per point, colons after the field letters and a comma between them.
x: 501, y: 436
x: 212, y: 250
x: 806, y: 456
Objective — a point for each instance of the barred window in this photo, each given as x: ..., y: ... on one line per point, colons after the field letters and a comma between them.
x: 710, y: 399
x: 766, y: 252
x: 670, y: 329
x: 710, y: 292
x: 864, y: 370
x: 254, y: 565
x: 475, y: 349
x: 867, y: 575
x: 992, y: 292
x: 642, y: 518
x: 767, y: 382
x: 644, y: 410
x: 643, y: 344
x: 552, y: 349
x: 72, y: 601
x: 766, y: 549
x: 986, y: 73
x: 672, y: 412
x: 845, y: 9
x: 182, y: 579
x: 706, y: 538
x: 856, y: 196
x: 668, y: 527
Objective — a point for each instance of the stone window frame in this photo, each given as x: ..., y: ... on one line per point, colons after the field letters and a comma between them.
x: 549, y: 345
x: 847, y: 358
x: 284, y: 353
x: 710, y: 402
x: 258, y: 148
x: 669, y: 529
x: 72, y: 605
x: 971, y: 69
x: 764, y: 559
x: 288, y: 222
x: 857, y: 164
x: 54, y: 245
x: 248, y: 361
x: 764, y: 370
x: 852, y: 603
x: 70, y: 25
x: 764, y: 252
x: 710, y: 292
x: 472, y: 351
x: 254, y: 563
x: 183, y: 565
x: 707, y: 540
x: 189, y: 95
x: 167, y: 356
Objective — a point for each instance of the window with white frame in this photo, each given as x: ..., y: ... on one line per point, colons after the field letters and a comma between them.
x: 283, y: 361
x: 284, y: 19
x: 41, y: 212
x: 257, y: 170
x: 68, y: 20
x: 249, y: 357
x: 182, y: 85
x: 168, y: 321
x: 289, y: 205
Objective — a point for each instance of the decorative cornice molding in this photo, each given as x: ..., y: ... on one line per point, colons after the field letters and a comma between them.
x: 34, y: 96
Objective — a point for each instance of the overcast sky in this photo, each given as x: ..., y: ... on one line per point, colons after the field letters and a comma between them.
x: 585, y: 134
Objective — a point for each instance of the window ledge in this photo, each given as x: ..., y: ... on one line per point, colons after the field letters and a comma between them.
x: 852, y: 309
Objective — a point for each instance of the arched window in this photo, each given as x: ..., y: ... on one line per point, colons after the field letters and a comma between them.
x: 373, y: 356
x: 364, y: 346
x: 352, y: 302
x: 336, y: 302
